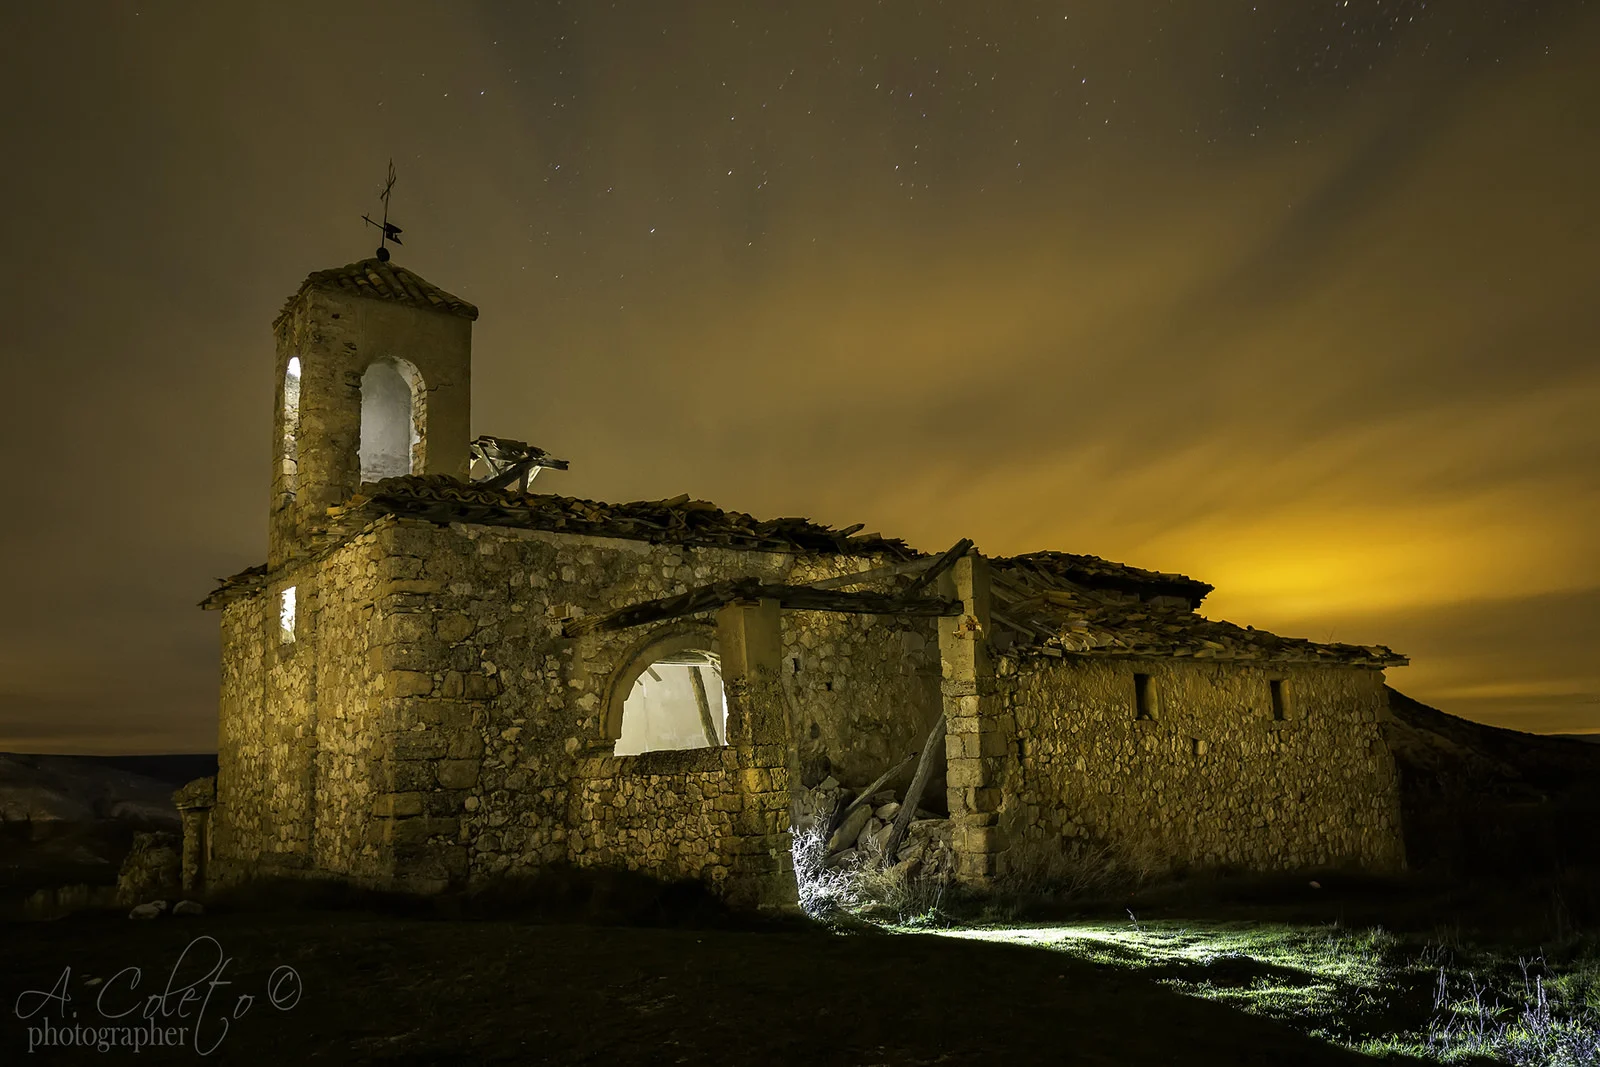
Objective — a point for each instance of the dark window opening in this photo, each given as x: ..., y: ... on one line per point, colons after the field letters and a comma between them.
x: 1143, y: 697
x: 1280, y: 706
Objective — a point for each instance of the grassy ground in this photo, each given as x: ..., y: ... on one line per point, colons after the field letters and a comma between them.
x: 378, y: 989
x: 1199, y: 973
x: 1369, y: 990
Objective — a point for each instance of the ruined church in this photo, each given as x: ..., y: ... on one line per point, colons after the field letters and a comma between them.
x: 440, y: 676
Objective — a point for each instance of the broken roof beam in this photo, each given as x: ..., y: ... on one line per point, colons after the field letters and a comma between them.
x: 791, y: 597
x: 864, y: 577
x: 511, y: 461
x: 942, y: 564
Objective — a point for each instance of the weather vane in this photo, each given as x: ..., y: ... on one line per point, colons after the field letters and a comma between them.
x: 390, y: 231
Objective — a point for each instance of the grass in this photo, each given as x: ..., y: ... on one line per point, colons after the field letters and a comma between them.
x: 1369, y: 990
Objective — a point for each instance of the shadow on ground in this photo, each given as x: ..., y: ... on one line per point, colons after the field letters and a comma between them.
x: 387, y: 990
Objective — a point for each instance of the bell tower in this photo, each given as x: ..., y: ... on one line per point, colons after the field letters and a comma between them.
x: 374, y: 380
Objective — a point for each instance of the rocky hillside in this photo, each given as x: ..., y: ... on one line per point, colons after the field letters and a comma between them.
x: 1481, y: 799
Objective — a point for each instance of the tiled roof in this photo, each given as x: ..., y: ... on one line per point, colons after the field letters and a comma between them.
x: 1037, y: 611
x: 383, y: 281
x: 1045, y: 603
x: 1092, y: 572
x: 676, y: 521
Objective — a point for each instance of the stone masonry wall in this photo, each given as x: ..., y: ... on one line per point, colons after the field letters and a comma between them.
x: 349, y: 833
x: 493, y: 718
x: 1211, y: 780
x: 866, y: 689
x: 669, y: 814
x: 264, y: 745
x: 297, y: 738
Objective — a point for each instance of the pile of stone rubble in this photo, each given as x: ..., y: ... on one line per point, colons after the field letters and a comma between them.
x: 858, y: 833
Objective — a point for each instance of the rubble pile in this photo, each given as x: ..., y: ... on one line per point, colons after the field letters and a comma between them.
x: 858, y: 833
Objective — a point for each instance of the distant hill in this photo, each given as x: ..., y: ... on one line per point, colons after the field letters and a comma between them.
x: 67, y: 819
x: 1485, y: 801
x: 178, y: 768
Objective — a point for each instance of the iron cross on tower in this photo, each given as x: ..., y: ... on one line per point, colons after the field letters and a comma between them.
x: 390, y: 232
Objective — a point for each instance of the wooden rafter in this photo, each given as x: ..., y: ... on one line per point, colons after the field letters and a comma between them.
x: 791, y: 597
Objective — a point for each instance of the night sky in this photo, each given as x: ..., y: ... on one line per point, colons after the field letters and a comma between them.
x: 1298, y: 298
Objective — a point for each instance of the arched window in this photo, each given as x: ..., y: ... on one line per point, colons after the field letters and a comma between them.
x: 392, y: 420
x: 289, y: 454
x: 670, y: 698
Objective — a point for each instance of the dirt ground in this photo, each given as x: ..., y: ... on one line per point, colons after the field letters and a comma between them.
x: 377, y: 989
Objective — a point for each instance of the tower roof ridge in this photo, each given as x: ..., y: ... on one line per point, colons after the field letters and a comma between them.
x: 380, y: 280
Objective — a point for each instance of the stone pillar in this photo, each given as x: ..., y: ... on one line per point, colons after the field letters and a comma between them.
x: 194, y: 803
x: 427, y: 746
x: 761, y: 859
x: 975, y: 728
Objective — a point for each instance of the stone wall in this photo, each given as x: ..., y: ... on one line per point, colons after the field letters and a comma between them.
x: 866, y: 690
x: 265, y: 746
x: 299, y: 761
x: 1210, y: 780
x: 456, y: 729
x: 336, y: 336
x: 349, y: 833
x: 674, y: 815
x: 431, y: 726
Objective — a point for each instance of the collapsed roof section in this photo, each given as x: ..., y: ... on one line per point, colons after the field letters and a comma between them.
x: 1062, y: 610
x: 680, y: 520
x: 442, y: 499
x: 1044, y: 603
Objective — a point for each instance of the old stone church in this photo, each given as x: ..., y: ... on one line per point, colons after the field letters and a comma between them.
x: 439, y: 676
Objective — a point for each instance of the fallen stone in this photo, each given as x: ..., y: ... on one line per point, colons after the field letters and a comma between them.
x: 845, y: 836
x: 151, y: 910
x: 188, y: 907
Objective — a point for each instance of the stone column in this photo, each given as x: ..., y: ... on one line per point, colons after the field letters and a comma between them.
x: 761, y: 860
x: 975, y: 728
x: 194, y: 803
x: 426, y: 748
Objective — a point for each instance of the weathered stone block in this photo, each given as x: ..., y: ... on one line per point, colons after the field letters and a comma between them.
x: 409, y: 585
x: 398, y: 805
x: 452, y: 627
x: 964, y: 772
x: 458, y: 773
x: 416, y: 744
x: 408, y: 683
x: 420, y: 828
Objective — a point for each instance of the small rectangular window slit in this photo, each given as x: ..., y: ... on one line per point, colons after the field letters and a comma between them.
x: 1143, y: 697
x: 286, y: 609
x: 1280, y: 704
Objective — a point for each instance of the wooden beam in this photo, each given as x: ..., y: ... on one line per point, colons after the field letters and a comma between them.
x: 942, y: 564
x: 919, y: 782
x: 863, y: 577
x: 706, y: 722
x: 792, y: 597
x: 866, y: 794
